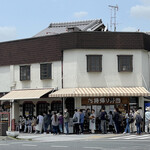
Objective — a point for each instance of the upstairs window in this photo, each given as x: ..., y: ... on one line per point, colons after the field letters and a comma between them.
x: 46, y: 71
x: 94, y: 63
x: 24, y: 73
x: 125, y: 63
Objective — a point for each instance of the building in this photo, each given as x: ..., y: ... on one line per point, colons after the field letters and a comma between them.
x: 75, y: 70
x: 58, y: 28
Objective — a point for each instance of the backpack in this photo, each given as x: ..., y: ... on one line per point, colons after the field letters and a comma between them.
x: 138, y: 119
x: 131, y: 119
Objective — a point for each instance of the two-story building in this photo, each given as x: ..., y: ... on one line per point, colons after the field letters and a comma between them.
x: 75, y: 70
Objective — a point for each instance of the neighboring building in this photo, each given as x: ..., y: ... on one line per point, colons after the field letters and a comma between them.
x: 75, y: 70
x: 58, y: 28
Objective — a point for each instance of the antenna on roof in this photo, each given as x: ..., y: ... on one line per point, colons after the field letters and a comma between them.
x: 113, y: 16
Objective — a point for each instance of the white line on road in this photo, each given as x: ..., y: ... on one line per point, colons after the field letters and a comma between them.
x: 29, y: 145
x: 93, y: 148
x: 59, y: 146
x: 4, y: 144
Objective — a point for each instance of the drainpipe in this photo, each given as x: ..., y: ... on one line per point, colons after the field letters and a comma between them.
x: 62, y: 83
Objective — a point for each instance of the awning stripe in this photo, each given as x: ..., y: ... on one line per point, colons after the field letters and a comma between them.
x: 101, y: 92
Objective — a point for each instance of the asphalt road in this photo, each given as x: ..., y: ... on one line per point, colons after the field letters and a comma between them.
x: 117, y: 143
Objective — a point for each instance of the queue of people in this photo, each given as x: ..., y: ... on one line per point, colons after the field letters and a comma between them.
x: 86, y: 122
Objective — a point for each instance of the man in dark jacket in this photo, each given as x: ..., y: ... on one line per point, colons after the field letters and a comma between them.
x: 116, y: 117
x: 103, y: 117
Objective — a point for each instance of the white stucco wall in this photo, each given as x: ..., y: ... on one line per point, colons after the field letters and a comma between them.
x: 76, y: 75
x: 35, y: 81
x: 5, y: 79
x: 145, y: 69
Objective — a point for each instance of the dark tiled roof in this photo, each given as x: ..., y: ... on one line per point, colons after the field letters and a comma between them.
x: 49, y: 48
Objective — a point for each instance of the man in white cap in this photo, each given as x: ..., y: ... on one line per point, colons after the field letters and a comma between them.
x: 147, y: 120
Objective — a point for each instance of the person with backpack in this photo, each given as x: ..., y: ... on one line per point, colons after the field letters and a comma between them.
x: 138, y: 122
x: 103, y: 121
x: 127, y: 117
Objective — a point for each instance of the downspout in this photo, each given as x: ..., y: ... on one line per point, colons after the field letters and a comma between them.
x: 62, y: 84
x: 62, y: 73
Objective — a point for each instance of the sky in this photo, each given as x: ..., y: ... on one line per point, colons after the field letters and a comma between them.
x: 21, y: 19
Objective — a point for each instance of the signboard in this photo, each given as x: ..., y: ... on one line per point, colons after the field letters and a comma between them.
x: 104, y: 101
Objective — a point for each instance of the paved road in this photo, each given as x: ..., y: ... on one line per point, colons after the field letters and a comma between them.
x: 118, y: 142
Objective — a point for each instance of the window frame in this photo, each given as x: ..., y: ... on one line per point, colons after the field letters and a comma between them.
x: 47, y: 69
x: 89, y: 68
x: 27, y: 71
x: 120, y: 66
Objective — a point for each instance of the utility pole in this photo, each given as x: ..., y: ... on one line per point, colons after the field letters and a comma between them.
x: 114, y: 9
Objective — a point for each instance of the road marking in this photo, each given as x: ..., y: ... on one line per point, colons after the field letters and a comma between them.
x: 29, y: 145
x: 93, y: 148
x: 4, y: 144
x: 59, y: 146
x: 125, y: 137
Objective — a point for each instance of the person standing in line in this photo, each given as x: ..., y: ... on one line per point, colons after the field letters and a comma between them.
x: 92, y: 121
x: 99, y: 120
x: 25, y: 124
x: 66, y: 120
x: 147, y: 120
x: 110, y: 117
x: 138, y: 122
x: 45, y: 122
x: 60, y: 119
x: 87, y: 120
x: 82, y: 121
x: 103, y: 121
x: 49, y: 121
x: 55, y: 123
x: 141, y: 114
x: 127, y: 129
x: 34, y: 119
x: 132, y: 124
x: 76, y: 120
x: 116, y: 116
x: 39, y: 123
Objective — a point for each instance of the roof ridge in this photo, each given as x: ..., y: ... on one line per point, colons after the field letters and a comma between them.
x: 73, y: 23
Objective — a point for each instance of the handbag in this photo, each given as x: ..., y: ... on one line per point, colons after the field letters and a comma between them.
x: 75, y: 119
x: 93, y: 120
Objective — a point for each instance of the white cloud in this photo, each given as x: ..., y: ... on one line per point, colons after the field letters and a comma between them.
x: 7, y: 33
x: 80, y: 14
x: 141, y: 11
x: 130, y: 29
x: 146, y: 2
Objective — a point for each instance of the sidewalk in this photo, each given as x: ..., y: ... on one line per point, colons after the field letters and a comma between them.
x: 62, y: 137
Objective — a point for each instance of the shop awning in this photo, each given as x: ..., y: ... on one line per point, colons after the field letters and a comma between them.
x: 101, y: 92
x: 26, y: 94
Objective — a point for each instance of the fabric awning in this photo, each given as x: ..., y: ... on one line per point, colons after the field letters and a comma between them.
x: 26, y: 94
x: 101, y: 92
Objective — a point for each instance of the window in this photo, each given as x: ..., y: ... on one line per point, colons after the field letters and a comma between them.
x: 28, y: 109
x: 125, y: 63
x: 46, y: 71
x: 94, y: 63
x: 56, y: 106
x: 41, y: 108
x: 24, y: 73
